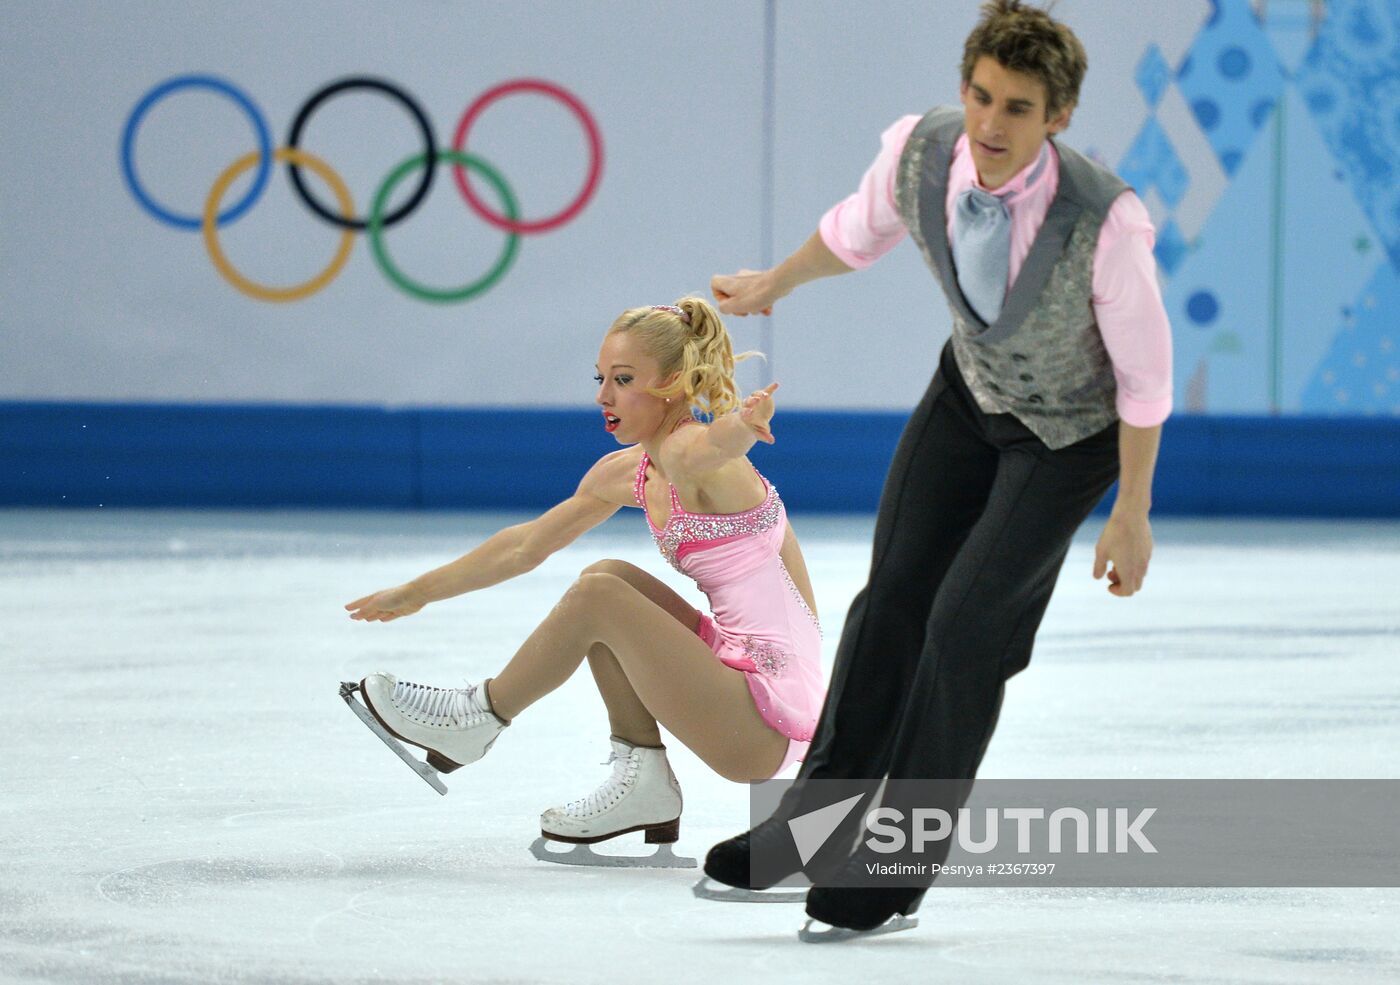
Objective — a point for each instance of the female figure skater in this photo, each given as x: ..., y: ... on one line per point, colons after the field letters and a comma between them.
x: 741, y: 687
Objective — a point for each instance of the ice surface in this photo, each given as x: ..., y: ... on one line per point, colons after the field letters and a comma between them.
x: 184, y: 798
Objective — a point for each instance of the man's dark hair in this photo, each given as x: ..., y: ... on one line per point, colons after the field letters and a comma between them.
x: 1028, y: 40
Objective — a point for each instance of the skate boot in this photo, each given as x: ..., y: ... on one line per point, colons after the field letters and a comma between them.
x: 641, y: 794
x: 728, y: 878
x: 842, y: 908
x: 839, y: 913
x: 730, y: 872
x: 455, y: 725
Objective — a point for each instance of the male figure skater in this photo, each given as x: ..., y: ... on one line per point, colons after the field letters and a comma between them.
x: 1055, y: 382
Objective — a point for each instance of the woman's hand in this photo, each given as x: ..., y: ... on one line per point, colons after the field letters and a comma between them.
x: 388, y: 605
x: 757, y: 411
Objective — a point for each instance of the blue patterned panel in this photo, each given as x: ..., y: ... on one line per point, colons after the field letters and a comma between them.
x: 1361, y: 373
x: 1153, y: 75
x: 1289, y: 25
x: 1153, y: 162
x: 1218, y: 302
x: 1327, y: 251
x: 1351, y: 83
x: 1171, y: 247
x: 1231, y: 79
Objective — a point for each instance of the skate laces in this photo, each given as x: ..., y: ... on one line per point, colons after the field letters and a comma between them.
x: 624, y: 774
x: 456, y: 706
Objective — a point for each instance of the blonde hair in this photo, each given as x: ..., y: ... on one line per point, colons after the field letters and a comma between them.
x: 695, y: 346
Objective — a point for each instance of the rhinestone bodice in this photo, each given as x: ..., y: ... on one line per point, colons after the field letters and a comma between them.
x: 684, y: 527
x: 754, y: 536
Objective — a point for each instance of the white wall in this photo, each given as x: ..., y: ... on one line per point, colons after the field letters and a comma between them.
x: 100, y: 301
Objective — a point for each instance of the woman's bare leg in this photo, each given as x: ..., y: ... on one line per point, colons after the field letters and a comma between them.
x: 628, y: 717
x: 671, y: 676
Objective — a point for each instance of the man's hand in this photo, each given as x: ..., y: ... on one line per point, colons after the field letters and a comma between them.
x: 754, y: 291
x: 1126, y: 543
x: 744, y: 293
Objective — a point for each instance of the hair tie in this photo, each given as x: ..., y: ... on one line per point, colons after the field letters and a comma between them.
x: 674, y: 310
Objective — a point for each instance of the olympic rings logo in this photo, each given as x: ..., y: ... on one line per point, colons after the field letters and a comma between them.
x: 342, y: 214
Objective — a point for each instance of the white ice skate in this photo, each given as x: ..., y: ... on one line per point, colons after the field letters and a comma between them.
x: 641, y: 795
x: 454, y: 725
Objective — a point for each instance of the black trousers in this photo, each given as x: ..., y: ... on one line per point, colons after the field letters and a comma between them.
x: 974, y: 524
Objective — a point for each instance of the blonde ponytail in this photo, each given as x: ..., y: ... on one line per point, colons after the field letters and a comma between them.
x: 688, y: 339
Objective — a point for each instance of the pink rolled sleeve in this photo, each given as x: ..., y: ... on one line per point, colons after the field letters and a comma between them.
x: 1132, y: 319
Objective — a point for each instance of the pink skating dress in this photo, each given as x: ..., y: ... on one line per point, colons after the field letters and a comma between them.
x: 760, y: 624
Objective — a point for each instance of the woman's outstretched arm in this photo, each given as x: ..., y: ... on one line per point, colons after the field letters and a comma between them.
x: 693, y: 451
x: 514, y: 550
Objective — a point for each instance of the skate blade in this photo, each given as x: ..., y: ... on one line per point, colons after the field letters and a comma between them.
x: 662, y: 858
x: 816, y: 932
x: 708, y: 888
x: 429, y: 775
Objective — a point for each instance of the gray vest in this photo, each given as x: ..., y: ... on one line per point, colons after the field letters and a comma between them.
x: 1043, y: 359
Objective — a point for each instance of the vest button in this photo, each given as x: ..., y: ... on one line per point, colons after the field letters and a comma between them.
x: 1036, y: 398
x: 1018, y: 357
x: 1027, y: 378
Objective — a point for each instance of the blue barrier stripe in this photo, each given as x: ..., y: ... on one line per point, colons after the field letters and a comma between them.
x: 182, y: 455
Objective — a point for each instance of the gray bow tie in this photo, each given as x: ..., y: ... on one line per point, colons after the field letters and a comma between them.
x: 982, y: 245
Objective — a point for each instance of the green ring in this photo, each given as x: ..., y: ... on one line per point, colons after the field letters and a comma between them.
x: 411, y: 287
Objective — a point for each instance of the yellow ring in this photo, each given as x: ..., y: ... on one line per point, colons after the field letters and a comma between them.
x: 211, y: 235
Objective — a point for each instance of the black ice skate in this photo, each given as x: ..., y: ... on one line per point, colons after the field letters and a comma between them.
x: 816, y: 932
x: 842, y: 913
x: 728, y: 875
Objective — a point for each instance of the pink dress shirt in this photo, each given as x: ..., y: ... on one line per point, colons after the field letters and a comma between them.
x: 1127, y: 299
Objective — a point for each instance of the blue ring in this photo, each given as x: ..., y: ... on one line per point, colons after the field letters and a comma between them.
x: 133, y: 122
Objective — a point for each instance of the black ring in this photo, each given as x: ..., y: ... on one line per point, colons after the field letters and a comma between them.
x: 393, y: 92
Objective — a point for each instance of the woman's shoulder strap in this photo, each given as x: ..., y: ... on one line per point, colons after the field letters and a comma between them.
x: 639, y: 483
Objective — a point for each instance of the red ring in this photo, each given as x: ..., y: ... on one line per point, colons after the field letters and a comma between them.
x: 595, y: 147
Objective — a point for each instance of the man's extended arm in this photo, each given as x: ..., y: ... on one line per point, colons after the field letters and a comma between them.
x: 1136, y: 333
x: 851, y: 236
x: 752, y: 291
